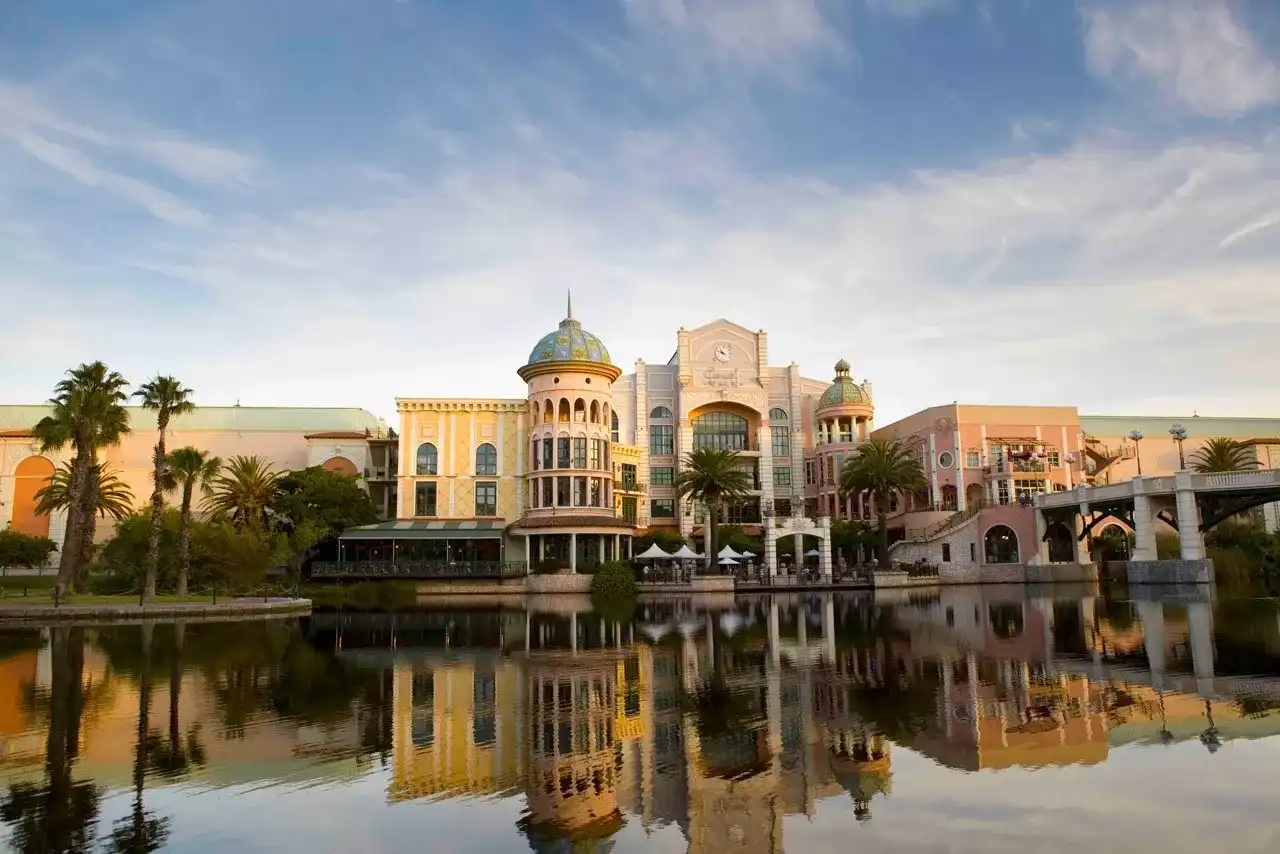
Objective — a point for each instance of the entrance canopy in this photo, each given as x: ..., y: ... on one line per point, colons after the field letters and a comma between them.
x: 422, y: 530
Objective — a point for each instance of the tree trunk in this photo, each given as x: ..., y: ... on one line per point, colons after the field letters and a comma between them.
x: 882, y: 533
x: 88, y: 528
x: 184, y: 538
x: 69, y: 557
x: 157, y: 517
x: 713, y: 534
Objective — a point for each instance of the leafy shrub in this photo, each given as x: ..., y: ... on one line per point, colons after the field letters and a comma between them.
x: 24, y: 550
x: 613, y: 591
x: 1168, y: 545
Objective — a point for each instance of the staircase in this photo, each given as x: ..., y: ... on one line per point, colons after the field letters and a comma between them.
x: 1104, y: 457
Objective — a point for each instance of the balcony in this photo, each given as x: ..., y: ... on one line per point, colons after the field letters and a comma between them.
x: 379, y: 473
x: 1015, y: 467
x: 629, y: 486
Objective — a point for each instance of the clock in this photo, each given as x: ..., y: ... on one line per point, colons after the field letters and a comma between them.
x: 723, y: 352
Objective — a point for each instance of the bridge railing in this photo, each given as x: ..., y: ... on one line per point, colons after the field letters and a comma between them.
x: 417, y: 569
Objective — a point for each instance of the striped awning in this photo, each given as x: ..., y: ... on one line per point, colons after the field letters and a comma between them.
x: 417, y: 529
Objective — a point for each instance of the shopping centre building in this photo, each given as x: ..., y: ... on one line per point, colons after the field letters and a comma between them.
x: 588, y: 458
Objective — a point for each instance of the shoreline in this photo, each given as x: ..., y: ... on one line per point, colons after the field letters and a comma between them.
x: 232, y: 608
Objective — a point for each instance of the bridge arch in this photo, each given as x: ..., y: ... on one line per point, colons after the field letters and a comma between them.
x: 1061, y: 542
x: 1000, y: 545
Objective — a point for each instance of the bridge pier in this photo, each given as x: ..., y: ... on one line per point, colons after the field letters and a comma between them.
x: 1144, y: 524
x: 1189, y: 533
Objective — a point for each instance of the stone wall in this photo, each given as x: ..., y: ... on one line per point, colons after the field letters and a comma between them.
x: 547, y: 584
x: 1170, y: 571
x: 883, y: 579
x: 964, y: 560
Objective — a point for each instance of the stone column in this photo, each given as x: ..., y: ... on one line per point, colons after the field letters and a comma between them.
x: 829, y: 627
x: 602, y: 548
x: 573, y: 554
x: 1041, y: 556
x: 1144, y: 524
x: 764, y: 438
x: 617, y: 547
x: 824, y: 550
x: 1153, y: 637
x: 770, y: 547
x: 798, y: 540
x: 1081, y: 546
x: 528, y: 555
x: 1189, y: 534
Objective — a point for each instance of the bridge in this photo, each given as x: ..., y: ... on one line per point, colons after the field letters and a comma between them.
x: 1188, y: 501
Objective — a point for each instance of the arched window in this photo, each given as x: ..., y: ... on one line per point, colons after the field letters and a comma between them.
x: 595, y: 412
x: 580, y: 411
x: 778, y: 414
x: 564, y: 410
x: 486, y: 460
x: 613, y: 429
x: 426, y: 463
x: 1001, y: 544
x: 720, y: 431
x: 659, y: 412
x: 548, y: 414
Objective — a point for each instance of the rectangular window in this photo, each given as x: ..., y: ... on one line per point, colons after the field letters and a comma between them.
x: 485, y: 731
x: 537, y: 453
x: 535, y: 493
x: 595, y: 453
x: 1055, y: 459
x: 597, y: 494
x: 564, y: 497
x: 973, y: 551
x: 548, y: 454
x: 579, y: 492
x: 782, y: 476
x: 782, y: 507
x: 486, y: 499
x: 579, y: 452
x: 424, y: 499
x: 662, y: 475
x: 1002, y: 491
x: 662, y: 508
x: 562, y: 452
x: 629, y: 510
x: 839, y: 467
x: 808, y: 472
x: 946, y: 552
x: 973, y: 459
x: 629, y: 475
x: 662, y: 439
x: 781, y: 441
x: 548, y: 492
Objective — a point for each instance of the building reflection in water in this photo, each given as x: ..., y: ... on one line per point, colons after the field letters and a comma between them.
x: 720, y: 723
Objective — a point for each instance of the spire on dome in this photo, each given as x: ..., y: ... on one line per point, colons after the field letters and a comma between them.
x: 568, y: 304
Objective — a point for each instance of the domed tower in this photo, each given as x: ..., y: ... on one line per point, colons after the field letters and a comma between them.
x: 845, y: 419
x: 570, y: 518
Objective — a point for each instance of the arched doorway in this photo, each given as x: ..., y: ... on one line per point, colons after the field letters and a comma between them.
x: 1111, y: 542
x: 341, y: 465
x: 29, y: 478
x: 1000, y: 545
x: 1061, y: 547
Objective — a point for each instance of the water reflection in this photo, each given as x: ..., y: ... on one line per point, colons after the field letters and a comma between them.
x: 722, y: 725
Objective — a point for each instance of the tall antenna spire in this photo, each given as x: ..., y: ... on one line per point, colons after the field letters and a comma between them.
x: 569, y: 305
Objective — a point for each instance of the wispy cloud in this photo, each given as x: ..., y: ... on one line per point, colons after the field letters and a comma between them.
x: 1195, y: 53
x: 909, y: 8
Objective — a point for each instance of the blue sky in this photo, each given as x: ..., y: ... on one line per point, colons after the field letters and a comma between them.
x: 335, y: 202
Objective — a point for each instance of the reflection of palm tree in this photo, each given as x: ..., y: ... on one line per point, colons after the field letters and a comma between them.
x: 61, y: 815
x: 141, y: 831
x: 175, y: 758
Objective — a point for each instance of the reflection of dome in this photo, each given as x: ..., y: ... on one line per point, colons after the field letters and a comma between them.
x: 843, y: 390
x: 569, y: 343
x: 551, y: 838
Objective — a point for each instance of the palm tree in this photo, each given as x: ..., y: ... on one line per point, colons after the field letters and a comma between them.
x: 189, y: 467
x: 712, y: 477
x: 168, y: 398
x: 105, y: 493
x: 882, y: 467
x: 243, y: 491
x: 1223, y: 455
x: 88, y: 414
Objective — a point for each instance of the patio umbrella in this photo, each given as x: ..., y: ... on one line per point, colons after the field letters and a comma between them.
x: 748, y: 554
x: 652, y: 553
x: 728, y: 551
x: 655, y: 631
x: 686, y: 553
x: 728, y: 561
x: 813, y: 553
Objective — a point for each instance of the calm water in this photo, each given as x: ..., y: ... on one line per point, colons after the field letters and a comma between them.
x: 981, y: 719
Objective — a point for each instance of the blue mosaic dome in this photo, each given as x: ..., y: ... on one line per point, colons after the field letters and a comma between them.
x: 569, y: 343
x: 843, y: 390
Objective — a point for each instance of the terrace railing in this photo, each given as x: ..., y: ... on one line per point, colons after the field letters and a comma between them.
x: 418, y: 569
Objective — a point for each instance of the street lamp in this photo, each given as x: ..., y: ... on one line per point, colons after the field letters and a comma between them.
x: 1179, y: 434
x: 1136, y: 436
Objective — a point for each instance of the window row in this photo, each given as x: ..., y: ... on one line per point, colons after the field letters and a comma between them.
x: 579, y: 412
x: 567, y: 452
x: 425, y: 497
x: 565, y: 491
x: 427, y: 461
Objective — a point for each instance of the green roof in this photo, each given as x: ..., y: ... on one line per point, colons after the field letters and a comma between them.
x: 235, y: 419
x: 453, y: 529
x: 1197, y: 427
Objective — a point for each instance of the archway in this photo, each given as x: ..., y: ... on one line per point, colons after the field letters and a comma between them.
x: 1061, y: 545
x: 1111, y: 541
x: 29, y: 478
x: 1000, y: 545
x: 341, y: 465
x: 797, y: 527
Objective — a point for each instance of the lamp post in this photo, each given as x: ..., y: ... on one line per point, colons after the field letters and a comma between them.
x: 1136, y: 436
x: 1179, y: 434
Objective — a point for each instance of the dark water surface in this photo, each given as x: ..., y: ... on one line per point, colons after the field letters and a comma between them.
x: 979, y: 719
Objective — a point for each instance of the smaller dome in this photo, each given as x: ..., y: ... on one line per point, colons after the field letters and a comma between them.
x: 843, y: 390
x: 569, y: 343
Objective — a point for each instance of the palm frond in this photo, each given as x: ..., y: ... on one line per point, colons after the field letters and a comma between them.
x: 243, y: 490
x: 167, y: 396
x: 882, y: 467
x: 1221, y: 454
x: 106, y: 493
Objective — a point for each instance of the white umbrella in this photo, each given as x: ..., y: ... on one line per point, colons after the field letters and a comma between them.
x: 748, y: 554
x: 813, y: 553
x: 655, y: 631
x: 728, y: 551
x: 652, y: 553
x: 728, y: 561
x: 685, y: 553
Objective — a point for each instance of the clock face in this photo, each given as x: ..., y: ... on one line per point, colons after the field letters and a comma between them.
x: 722, y: 353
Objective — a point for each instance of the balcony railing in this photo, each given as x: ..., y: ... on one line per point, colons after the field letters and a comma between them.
x: 628, y: 486
x: 418, y: 569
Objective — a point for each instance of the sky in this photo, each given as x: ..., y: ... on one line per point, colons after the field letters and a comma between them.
x: 338, y: 202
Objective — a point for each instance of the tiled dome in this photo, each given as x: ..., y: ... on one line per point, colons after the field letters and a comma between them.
x: 843, y: 390
x: 569, y: 343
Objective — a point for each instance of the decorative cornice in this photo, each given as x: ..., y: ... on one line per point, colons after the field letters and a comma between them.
x: 571, y: 366
x: 425, y: 404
